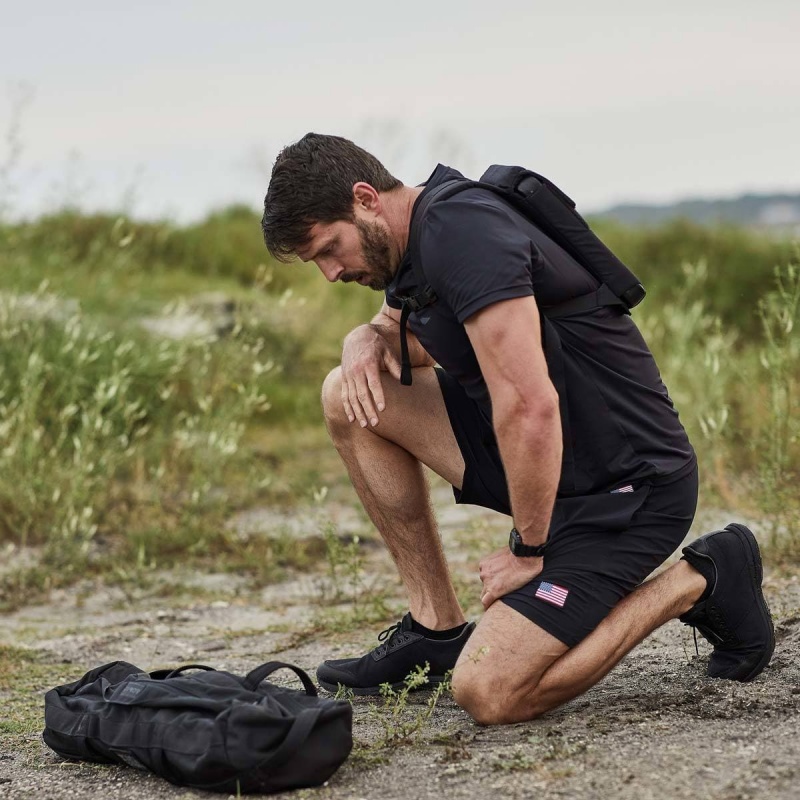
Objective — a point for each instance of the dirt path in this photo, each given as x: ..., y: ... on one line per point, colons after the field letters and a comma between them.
x: 655, y: 728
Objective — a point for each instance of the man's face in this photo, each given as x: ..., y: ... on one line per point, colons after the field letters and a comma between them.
x: 358, y: 251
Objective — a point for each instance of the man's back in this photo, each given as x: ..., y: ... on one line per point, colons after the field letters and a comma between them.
x: 617, y: 418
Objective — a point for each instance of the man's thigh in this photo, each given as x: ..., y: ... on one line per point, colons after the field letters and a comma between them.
x: 416, y: 418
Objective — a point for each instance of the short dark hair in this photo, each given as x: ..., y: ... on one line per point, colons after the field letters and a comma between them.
x: 312, y: 181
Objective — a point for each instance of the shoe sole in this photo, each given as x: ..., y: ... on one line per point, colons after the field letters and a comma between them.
x: 746, y: 535
x: 375, y: 691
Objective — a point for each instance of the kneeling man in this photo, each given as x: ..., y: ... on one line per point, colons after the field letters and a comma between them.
x: 562, y: 423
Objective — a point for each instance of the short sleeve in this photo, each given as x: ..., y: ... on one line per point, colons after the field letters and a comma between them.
x: 475, y: 253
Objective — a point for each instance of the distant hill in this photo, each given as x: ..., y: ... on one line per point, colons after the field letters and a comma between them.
x: 778, y: 211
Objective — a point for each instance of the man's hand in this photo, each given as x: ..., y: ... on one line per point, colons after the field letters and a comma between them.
x: 502, y: 572
x: 364, y: 356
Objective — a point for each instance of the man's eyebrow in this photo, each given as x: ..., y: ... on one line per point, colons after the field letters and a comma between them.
x: 324, y: 246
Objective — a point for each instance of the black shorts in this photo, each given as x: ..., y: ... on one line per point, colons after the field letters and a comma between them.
x: 600, y: 546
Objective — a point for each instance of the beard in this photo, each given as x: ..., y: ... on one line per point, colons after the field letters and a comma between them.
x: 376, y: 250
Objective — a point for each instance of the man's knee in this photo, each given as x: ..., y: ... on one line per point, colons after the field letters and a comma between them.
x: 331, y: 397
x: 489, y: 702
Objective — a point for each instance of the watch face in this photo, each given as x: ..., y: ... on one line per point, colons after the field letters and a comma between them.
x: 515, y: 542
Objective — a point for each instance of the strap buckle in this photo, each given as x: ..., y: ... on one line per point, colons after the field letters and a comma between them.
x: 416, y: 302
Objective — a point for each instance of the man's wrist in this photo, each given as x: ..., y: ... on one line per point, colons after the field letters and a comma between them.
x: 522, y: 550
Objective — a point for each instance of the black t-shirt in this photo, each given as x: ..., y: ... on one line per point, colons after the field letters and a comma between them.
x: 617, y: 418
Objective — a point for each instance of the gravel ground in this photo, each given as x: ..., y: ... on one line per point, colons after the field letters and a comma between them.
x: 656, y: 727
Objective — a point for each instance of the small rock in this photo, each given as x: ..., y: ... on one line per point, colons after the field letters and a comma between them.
x: 213, y: 646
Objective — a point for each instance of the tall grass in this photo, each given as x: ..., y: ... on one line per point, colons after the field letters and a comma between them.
x: 739, y: 265
x: 737, y: 393
x: 103, y: 432
x: 116, y: 445
x: 778, y: 442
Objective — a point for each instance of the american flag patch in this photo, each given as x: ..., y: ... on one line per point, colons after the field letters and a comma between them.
x: 622, y: 489
x: 552, y: 593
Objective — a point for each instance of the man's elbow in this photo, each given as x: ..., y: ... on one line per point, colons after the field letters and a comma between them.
x: 534, y: 415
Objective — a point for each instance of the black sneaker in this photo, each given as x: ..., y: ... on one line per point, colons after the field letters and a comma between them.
x: 401, y: 651
x: 734, y: 617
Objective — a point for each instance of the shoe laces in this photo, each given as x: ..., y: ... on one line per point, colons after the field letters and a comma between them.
x: 714, y: 628
x: 388, y: 634
x: 389, y: 638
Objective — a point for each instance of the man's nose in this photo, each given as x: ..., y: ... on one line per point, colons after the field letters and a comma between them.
x: 331, y: 271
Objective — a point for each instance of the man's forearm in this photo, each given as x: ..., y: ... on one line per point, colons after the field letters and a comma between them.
x: 530, y: 447
x: 389, y: 329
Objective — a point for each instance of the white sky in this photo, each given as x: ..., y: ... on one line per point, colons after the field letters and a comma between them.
x: 177, y: 107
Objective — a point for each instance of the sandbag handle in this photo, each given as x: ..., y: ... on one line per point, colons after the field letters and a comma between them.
x: 186, y: 667
x: 254, y: 678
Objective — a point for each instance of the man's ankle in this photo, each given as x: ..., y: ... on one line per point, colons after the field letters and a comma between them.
x: 697, y: 586
x: 436, y: 621
x: 436, y: 633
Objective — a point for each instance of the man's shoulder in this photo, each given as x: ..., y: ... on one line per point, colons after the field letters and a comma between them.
x: 472, y: 217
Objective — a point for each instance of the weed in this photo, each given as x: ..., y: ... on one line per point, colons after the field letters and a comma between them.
x: 552, y: 745
x: 516, y: 761
x: 345, y: 564
x: 478, y: 654
x: 400, y: 726
x: 542, y: 753
x: 779, y: 442
x: 24, y: 677
x: 347, y: 583
x: 398, y: 723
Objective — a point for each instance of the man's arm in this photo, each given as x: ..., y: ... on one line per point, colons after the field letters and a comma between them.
x: 367, y: 351
x: 507, y: 342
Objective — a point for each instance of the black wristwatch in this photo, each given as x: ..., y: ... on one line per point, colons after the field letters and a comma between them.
x: 519, y: 548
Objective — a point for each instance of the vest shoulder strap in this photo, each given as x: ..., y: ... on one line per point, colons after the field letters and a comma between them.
x: 426, y: 295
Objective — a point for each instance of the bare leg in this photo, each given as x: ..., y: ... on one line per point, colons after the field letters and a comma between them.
x: 385, y: 467
x: 511, y: 670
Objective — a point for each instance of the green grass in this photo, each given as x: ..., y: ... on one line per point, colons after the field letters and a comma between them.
x: 24, y: 678
x: 121, y: 452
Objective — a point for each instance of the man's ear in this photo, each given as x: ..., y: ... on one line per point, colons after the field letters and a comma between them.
x: 366, y: 198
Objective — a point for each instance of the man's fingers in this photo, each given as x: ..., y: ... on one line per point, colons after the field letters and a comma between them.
x: 376, y: 387
x: 348, y: 409
x: 362, y: 391
x: 355, y: 403
x: 364, y: 394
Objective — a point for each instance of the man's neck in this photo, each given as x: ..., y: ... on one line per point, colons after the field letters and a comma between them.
x: 398, y: 206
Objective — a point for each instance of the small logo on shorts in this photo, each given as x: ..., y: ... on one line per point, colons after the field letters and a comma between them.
x: 622, y: 489
x: 551, y: 593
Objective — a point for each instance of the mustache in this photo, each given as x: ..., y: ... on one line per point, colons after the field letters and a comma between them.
x: 350, y: 277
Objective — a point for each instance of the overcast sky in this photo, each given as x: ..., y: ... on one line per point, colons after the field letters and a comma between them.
x: 177, y: 107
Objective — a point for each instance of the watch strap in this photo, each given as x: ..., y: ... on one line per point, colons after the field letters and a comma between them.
x: 522, y: 550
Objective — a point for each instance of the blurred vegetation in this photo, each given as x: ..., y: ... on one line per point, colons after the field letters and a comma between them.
x: 120, y: 447
x: 739, y: 265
